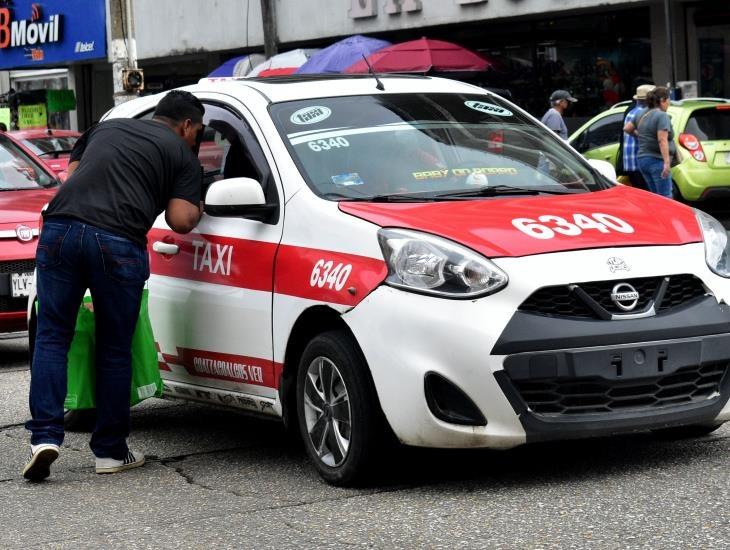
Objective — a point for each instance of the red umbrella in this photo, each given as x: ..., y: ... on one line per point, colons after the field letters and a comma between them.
x: 281, y: 71
x: 422, y: 56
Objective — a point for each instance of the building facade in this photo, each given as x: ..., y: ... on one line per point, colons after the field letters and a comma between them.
x: 598, y: 49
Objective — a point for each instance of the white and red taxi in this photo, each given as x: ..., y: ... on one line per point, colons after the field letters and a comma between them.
x: 424, y: 257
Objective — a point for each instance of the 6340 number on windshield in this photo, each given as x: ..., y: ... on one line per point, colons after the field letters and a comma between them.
x: 547, y: 226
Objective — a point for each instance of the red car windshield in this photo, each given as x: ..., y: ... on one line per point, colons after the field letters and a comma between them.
x: 18, y: 170
x: 51, y: 144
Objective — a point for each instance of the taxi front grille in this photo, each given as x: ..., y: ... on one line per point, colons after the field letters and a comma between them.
x: 592, y: 300
x: 17, y: 266
x: 559, y: 397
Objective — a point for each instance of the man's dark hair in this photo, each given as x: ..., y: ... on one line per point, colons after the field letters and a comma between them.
x: 179, y: 105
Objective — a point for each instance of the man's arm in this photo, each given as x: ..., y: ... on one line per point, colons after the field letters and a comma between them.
x: 71, y: 168
x: 182, y: 216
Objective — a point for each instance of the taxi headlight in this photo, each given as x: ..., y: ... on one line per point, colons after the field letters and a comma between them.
x: 425, y: 263
x: 717, y: 254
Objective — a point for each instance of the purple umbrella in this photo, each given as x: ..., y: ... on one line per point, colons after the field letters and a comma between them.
x: 342, y: 54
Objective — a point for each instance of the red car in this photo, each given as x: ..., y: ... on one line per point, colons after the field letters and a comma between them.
x: 53, y: 147
x: 26, y: 184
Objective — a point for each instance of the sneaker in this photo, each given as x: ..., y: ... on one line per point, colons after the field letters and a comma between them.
x: 40, y: 460
x: 113, y: 466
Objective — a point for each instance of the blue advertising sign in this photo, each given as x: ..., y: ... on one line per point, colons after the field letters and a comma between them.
x: 51, y: 32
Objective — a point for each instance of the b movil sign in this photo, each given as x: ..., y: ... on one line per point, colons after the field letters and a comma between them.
x: 51, y: 32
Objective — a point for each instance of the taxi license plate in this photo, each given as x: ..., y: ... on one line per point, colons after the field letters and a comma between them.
x: 21, y: 284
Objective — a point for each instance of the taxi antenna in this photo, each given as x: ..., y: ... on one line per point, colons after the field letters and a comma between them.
x: 379, y: 84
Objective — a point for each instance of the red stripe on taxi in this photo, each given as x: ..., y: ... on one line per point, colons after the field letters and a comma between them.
x: 321, y: 275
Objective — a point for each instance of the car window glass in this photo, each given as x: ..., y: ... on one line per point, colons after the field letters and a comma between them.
x: 18, y: 170
x: 606, y: 131
x: 709, y: 124
x: 367, y: 146
x: 229, y: 149
x: 51, y: 144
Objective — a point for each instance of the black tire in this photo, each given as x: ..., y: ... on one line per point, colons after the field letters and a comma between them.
x: 365, y: 429
x: 82, y: 420
x: 686, y: 432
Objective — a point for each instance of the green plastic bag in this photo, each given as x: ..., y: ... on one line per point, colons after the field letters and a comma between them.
x: 146, y: 380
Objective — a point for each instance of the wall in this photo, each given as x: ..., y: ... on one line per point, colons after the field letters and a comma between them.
x: 176, y: 27
x: 210, y: 25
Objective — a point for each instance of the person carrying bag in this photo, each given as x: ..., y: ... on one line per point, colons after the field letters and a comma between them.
x: 122, y: 174
x: 656, y: 143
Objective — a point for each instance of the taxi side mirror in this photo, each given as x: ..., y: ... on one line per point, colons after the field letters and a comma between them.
x: 604, y: 168
x: 238, y: 197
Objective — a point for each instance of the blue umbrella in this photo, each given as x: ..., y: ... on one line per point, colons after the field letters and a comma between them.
x: 238, y: 66
x: 342, y: 54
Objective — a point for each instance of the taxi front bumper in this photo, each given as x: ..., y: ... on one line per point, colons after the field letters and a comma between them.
x: 484, y: 349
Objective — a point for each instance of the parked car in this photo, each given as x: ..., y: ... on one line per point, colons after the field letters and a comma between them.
x: 25, y: 186
x: 701, y: 133
x: 53, y: 147
x: 418, y: 257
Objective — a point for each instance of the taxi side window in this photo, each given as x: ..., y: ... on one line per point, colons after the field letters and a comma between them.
x: 230, y: 150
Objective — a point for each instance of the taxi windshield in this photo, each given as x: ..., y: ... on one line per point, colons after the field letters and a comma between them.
x: 426, y: 146
x: 18, y: 171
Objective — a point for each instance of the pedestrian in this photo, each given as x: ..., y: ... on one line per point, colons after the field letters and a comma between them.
x: 560, y: 100
x: 630, y: 145
x: 656, y: 142
x: 122, y: 174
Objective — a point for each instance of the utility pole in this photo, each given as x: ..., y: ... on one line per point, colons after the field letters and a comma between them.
x: 123, y: 46
x: 668, y: 23
x: 268, y: 16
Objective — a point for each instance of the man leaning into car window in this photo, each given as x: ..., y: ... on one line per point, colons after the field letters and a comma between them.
x: 122, y: 174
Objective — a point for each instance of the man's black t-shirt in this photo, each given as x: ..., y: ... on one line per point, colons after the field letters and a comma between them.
x: 128, y: 171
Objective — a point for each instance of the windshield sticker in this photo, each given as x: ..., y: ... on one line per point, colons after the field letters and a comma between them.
x: 488, y: 108
x: 464, y: 172
x: 320, y: 145
x: 347, y: 180
x: 311, y: 115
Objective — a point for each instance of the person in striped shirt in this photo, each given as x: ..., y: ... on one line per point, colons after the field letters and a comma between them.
x: 631, y: 140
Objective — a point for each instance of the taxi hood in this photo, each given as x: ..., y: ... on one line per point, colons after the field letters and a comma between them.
x: 620, y: 216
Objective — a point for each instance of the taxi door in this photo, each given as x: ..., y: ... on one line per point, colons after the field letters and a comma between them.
x: 211, y: 290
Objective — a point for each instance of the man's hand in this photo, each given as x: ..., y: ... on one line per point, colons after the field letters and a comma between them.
x: 182, y: 216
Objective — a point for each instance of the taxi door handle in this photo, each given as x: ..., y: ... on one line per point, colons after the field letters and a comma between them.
x: 165, y: 248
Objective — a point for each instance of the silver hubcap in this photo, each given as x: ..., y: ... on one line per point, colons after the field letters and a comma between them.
x: 327, y: 411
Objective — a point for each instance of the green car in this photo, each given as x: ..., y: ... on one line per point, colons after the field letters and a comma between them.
x: 701, y: 133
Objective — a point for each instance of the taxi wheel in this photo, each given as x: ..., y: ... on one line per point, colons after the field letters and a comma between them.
x: 686, y: 432
x: 339, y: 418
x: 82, y: 420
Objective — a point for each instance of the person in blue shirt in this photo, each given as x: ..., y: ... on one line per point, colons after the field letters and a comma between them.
x: 630, y: 147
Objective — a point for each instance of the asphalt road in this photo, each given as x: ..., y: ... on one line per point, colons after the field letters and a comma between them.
x: 215, y: 478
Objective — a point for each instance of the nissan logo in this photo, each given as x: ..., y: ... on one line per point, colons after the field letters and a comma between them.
x: 625, y: 296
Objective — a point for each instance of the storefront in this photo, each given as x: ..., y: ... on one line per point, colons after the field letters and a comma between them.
x: 48, y: 47
x: 708, y: 30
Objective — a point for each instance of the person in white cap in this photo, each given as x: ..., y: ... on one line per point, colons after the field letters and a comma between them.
x: 553, y: 118
x: 630, y: 146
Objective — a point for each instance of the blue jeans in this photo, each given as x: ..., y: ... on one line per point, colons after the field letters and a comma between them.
x: 651, y: 168
x: 71, y: 257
